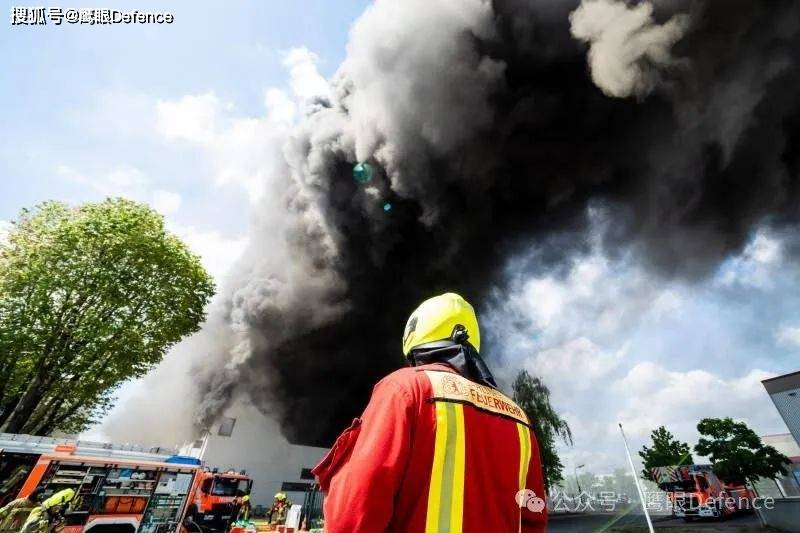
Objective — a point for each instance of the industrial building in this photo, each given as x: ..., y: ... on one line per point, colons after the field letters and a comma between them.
x: 787, y: 486
x: 785, y: 512
x: 785, y: 393
x: 246, y: 439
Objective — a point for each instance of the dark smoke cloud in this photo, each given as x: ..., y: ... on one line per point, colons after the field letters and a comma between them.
x: 493, y: 127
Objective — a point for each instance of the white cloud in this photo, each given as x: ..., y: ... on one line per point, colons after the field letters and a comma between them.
x: 595, y: 300
x: 576, y: 365
x: 304, y: 78
x: 544, y: 300
x: 764, y: 249
x: 239, y: 148
x: 166, y: 202
x: 122, y: 181
x: 658, y: 396
x: 218, y: 252
x: 281, y: 109
x: 244, y: 150
x: 756, y: 265
x: 788, y: 336
x: 193, y: 118
x: 246, y: 154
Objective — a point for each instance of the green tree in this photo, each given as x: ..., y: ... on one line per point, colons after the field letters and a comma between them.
x: 736, y: 452
x: 533, y: 397
x: 90, y: 296
x: 665, y: 451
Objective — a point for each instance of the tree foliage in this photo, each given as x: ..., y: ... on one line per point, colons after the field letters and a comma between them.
x: 736, y: 452
x: 533, y: 397
x: 665, y: 451
x: 89, y: 297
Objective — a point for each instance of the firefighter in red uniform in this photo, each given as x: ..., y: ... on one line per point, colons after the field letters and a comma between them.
x: 438, y: 448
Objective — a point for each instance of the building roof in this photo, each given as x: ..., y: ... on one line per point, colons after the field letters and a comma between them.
x: 782, y: 383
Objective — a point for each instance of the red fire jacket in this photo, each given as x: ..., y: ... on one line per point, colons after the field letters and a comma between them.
x: 434, y: 452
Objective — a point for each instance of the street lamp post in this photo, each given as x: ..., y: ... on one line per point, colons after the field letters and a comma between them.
x: 578, y: 483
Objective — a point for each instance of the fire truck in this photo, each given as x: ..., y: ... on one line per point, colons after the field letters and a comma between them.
x: 120, y: 489
x: 695, y: 491
x: 216, y: 496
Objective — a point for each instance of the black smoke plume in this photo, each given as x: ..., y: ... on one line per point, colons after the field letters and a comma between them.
x: 496, y: 127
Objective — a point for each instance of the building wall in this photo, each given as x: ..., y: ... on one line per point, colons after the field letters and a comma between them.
x: 788, y: 404
x: 257, y: 446
x: 785, y: 393
x: 784, y: 443
x: 784, y: 515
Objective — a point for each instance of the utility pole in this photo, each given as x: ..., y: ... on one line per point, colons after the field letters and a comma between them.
x: 636, y: 480
x: 577, y: 482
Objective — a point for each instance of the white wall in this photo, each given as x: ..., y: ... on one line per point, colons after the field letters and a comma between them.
x: 257, y: 446
x: 784, y: 443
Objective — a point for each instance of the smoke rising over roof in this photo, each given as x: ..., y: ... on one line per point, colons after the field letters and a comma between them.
x: 494, y: 127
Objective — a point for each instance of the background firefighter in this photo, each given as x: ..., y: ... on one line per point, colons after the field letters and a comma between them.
x: 280, y: 506
x: 438, y: 447
x: 46, y: 517
x: 16, y: 512
x: 242, y: 508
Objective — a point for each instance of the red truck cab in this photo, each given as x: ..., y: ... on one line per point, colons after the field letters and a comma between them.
x: 216, y: 497
x: 695, y: 491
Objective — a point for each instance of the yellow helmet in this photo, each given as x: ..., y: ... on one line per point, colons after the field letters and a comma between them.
x: 437, y: 318
x: 280, y: 496
x: 246, y: 498
x: 62, y: 496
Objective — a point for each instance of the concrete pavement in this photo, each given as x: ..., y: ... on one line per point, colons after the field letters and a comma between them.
x: 635, y: 522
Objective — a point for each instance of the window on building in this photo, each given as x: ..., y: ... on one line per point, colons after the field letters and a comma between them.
x: 226, y: 426
x: 291, y: 486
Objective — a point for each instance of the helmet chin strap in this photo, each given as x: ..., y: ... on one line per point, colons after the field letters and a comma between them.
x: 463, y: 358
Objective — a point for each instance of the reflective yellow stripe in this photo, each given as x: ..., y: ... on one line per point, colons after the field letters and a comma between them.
x: 524, y: 454
x: 435, y: 491
x: 457, y: 505
x: 446, y: 493
x: 524, y: 460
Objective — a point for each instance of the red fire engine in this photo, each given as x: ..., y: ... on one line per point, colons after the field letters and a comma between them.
x: 121, y: 489
x: 695, y: 491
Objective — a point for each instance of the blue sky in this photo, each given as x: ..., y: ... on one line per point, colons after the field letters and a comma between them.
x: 72, y: 97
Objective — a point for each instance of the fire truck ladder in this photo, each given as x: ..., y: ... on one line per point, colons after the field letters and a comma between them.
x: 16, y: 443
